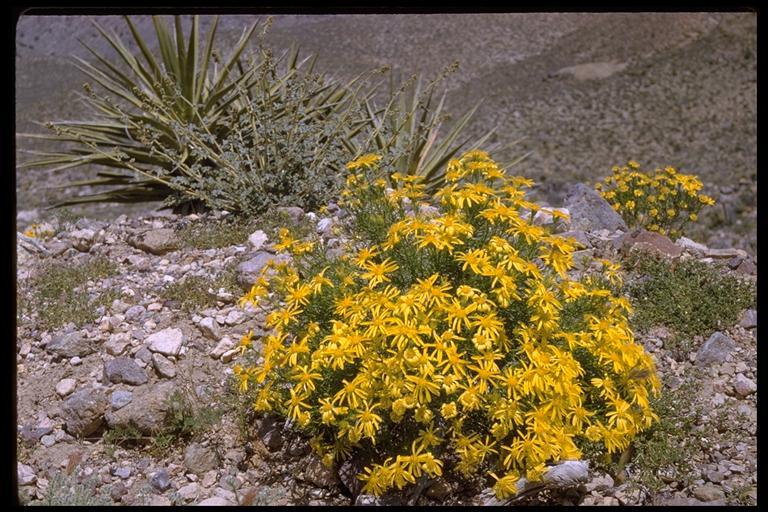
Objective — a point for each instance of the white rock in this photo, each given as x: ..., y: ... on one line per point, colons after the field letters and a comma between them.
x: 155, y: 306
x: 234, y: 317
x: 65, y: 387
x: 25, y: 474
x: 229, y: 355
x: 75, y: 361
x: 257, y: 239
x: 167, y: 342
x: 226, y: 344
x: 210, y: 328
x: 215, y: 501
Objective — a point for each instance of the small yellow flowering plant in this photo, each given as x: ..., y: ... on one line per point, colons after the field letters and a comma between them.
x: 664, y: 202
x: 448, y: 341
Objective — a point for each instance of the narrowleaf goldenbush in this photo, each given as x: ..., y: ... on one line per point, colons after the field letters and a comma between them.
x: 664, y: 202
x: 446, y: 339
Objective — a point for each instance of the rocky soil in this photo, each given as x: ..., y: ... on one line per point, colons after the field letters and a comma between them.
x: 583, y: 91
x: 79, y: 387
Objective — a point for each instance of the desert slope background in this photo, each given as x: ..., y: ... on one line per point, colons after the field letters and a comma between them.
x: 584, y: 91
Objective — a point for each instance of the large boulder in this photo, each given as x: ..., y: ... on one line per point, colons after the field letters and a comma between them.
x: 84, y: 412
x: 590, y: 212
x: 146, y: 411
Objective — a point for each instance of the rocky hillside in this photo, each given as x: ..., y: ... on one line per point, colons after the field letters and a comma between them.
x: 127, y: 340
x: 584, y: 91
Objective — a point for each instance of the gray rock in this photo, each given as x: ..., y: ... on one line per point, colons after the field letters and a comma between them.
x: 117, y: 491
x: 348, y: 472
x: 590, y: 212
x: 31, y: 434
x: 160, y: 480
x: 439, y: 490
x: 159, y: 501
x: 135, y: 312
x: 715, y: 350
x: 315, y: 472
x: 215, y: 501
x: 600, y: 483
x: 580, y: 237
x: 325, y: 226
x: 70, y: 345
x: 83, y: 412
x: 164, y: 367
x: 726, y: 253
x: 248, y: 271
x: 124, y: 370
x: 146, y: 411
x: 167, y: 342
x: 234, y: 317
x: 199, y: 459
x: 66, y: 387
x: 368, y: 500
x: 48, y: 441
x: 715, y: 476
x: 257, y: 239
x: 743, y: 385
x: 123, y: 473
x: 25, y: 474
x: 749, y: 319
x: 156, y: 241
x: 119, y: 399
x: 709, y: 493
x: 189, y: 492
x: 273, y: 440
x: 210, y: 328
x: 83, y: 239
x: 143, y: 355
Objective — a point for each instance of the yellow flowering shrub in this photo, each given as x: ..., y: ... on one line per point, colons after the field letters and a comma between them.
x: 39, y: 231
x: 449, y: 340
x: 665, y: 201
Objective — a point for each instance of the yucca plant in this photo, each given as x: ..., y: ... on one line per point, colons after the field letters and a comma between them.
x: 407, y: 131
x: 185, y: 85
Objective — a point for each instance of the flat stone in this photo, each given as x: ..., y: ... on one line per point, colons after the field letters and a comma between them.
x: 83, y: 412
x: 66, y: 387
x: 48, y: 441
x: 226, y: 344
x: 70, y: 345
x: 600, y: 483
x: 749, y: 319
x: 124, y: 370
x: 257, y: 239
x: 167, y: 342
x: 160, y: 501
x: 691, y: 246
x: 210, y: 328
x: 123, y: 473
x: 726, y: 253
x: 120, y: 399
x: 714, y: 350
x: 156, y: 241
x: 209, y: 478
x: 590, y: 212
x: 648, y: 241
x: 229, y: 355
x: 747, y: 267
x: 743, y: 385
x: 200, y: 459
x: 215, y: 501
x: 83, y: 239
